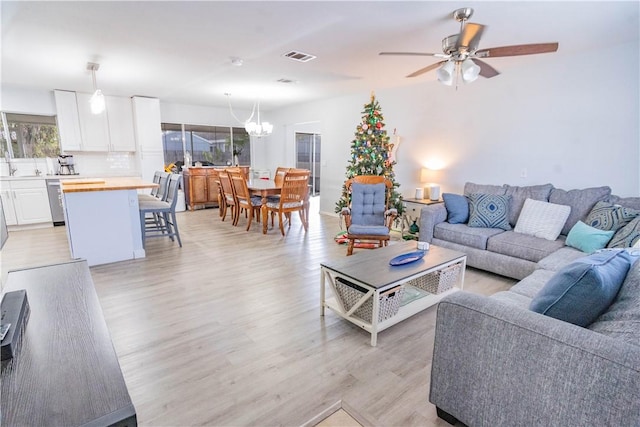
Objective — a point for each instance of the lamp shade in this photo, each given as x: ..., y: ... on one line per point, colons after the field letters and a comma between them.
x: 445, y: 73
x: 469, y: 70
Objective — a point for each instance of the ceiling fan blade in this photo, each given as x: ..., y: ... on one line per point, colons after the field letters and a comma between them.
x: 426, y: 69
x: 411, y: 54
x: 516, y: 50
x: 486, y: 70
x: 470, y: 36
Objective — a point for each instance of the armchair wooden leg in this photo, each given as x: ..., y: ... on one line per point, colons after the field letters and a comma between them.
x: 350, y: 247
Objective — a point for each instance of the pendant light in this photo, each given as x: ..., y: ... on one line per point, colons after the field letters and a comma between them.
x: 97, y: 101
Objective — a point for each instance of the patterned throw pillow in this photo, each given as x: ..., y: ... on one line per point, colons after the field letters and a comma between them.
x: 607, y: 216
x: 489, y: 211
x: 627, y: 236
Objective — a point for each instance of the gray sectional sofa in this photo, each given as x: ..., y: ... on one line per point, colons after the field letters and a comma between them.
x: 498, y: 363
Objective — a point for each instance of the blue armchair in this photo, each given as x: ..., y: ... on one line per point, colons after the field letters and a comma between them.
x: 368, y: 217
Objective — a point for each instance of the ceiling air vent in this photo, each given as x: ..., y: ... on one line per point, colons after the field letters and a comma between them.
x: 286, y: 81
x: 299, y: 56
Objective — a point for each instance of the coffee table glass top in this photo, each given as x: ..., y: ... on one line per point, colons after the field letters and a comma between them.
x: 372, y: 268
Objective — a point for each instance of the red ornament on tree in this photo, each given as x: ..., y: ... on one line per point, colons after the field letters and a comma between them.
x: 379, y: 125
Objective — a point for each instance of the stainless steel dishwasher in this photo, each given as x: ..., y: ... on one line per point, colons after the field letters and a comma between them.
x: 54, y: 190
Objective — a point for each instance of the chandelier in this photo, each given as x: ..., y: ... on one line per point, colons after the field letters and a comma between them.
x: 253, y: 128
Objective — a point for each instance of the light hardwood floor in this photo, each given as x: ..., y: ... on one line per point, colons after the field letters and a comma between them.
x: 226, y: 330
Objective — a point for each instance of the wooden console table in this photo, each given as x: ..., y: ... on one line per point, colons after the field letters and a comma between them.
x: 65, y: 372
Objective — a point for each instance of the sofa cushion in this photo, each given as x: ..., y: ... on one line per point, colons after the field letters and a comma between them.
x: 533, y: 283
x: 471, y: 188
x: 627, y: 236
x: 457, y: 208
x: 462, y: 234
x: 542, y: 219
x: 489, y: 211
x: 512, y: 298
x: 584, y: 289
x: 581, y: 202
x: 608, y: 216
x: 622, y: 319
x: 520, y: 194
x: 523, y: 246
x: 588, y: 239
x: 627, y: 202
x: 558, y: 259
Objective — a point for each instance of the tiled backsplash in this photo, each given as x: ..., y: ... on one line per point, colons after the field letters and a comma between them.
x: 87, y: 164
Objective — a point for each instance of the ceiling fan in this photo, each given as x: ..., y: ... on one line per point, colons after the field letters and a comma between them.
x: 461, y: 54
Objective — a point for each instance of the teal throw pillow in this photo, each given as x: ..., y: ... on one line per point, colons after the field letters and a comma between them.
x: 489, y: 211
x: 457, y: 208
x: 608, y: 216
x: 627, y: 236
x: 588, y: 239
x: 581, y: 291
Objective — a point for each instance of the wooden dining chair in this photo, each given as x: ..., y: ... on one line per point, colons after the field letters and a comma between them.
x: 244, y: 199
x: 227, y: 197
x: 293, y: 197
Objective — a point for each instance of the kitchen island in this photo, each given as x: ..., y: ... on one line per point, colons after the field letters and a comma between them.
x: 102, y: 218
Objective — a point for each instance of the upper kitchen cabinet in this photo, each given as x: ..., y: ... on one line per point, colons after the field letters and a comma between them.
x: 81, y: 130
x: 68, y: 120
x: 120, y: 118
x: 146, y: 118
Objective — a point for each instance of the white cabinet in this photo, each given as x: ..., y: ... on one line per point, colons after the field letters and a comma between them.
x: 7, y: 204
x: 120, y: 121
x: 26, y: 202
x: 68, y: 120
x: 147, y: 123
x: 148, y: 132
x: 81, y: 130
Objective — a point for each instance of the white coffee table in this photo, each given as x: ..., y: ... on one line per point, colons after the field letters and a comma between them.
x: 369, y: 271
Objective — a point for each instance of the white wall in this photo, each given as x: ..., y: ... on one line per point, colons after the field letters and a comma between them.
x: 563, y: 119
x: 571, y: 120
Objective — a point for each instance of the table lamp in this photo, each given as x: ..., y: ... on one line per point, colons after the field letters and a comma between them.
x: 431, y: 189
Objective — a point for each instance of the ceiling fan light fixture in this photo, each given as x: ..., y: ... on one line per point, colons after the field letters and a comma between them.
x: 445, y: 73
x: 469, y: 70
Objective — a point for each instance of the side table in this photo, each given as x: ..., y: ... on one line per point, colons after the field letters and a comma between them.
x: 412, y: 214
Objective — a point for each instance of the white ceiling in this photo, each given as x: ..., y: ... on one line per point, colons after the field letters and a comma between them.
x: 181, y: 51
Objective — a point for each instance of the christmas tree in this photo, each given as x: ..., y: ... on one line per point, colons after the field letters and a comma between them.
x: 371, y: 154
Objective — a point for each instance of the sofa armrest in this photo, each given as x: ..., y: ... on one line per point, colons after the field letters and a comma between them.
x: 500, y: 365
x: 430, y: 216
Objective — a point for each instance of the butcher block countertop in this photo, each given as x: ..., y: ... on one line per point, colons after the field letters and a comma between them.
x: 104, y: 184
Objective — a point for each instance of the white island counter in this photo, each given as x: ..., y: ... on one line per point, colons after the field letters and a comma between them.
x: 102, y: 218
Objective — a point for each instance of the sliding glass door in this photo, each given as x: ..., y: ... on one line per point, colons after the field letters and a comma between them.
x: 308, y: 157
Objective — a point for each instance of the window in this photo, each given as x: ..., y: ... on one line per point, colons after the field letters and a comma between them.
x: 29, y: 136
x: 209, y: 145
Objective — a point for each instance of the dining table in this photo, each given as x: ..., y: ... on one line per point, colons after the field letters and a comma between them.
x: 264, y: 188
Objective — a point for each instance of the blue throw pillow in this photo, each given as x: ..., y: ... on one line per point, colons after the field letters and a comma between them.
x: 489, y: 211
x: 457, y: 208
x: 588, y: 239
x: 579, y: 292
